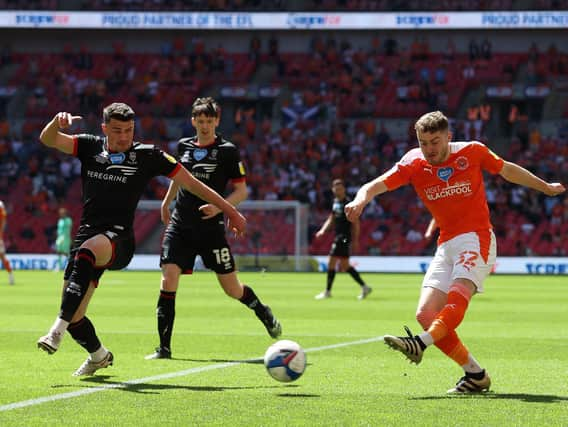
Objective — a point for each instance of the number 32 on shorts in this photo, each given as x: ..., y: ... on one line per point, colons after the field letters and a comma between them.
x: 467, y: 259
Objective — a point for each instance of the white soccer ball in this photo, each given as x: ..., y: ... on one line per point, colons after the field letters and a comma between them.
x: 285, y: 361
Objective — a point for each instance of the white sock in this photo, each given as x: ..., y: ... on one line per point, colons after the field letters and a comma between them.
x: 426, y: 338
x: 100, y: 354
x: 472, y: 365
x: 59, y: 326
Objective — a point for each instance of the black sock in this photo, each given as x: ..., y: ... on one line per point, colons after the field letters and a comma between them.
x: 83, y: 332
x: 355, y: 276
x: 78, y: 283
x: 476, y: 375
x: 166, y: 313
x: 250, y: 299
x: 330, y: 278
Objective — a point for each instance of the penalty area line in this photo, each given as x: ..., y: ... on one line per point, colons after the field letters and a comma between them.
x: 126, y: 384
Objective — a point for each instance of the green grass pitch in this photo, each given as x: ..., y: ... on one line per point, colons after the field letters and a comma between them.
x: 518, y: 330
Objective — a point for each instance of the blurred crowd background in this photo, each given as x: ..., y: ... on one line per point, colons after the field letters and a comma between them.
x: 303, y: 107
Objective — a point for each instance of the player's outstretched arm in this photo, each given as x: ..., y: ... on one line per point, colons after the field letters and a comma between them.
x: 365, y: 194
x: 326, y: 226
x: 238, y: 195
x: 51, y: 137
x: 519, y: 175
x: 165, y: 207
x: 237, y: 222
x: 355, y: 233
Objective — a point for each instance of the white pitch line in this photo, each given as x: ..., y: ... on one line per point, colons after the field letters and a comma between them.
x: 84, y: 392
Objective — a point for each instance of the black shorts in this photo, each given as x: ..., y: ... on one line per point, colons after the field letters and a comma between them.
x: 341, y: 247
x: 181, y: 245
x: 123, y: 246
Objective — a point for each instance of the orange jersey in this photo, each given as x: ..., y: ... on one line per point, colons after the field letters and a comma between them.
x: 453, y: 192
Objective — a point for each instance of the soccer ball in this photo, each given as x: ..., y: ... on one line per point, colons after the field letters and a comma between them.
x: 285, y: 361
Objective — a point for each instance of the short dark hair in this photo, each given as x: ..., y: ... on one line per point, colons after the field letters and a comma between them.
x: 118, y: 111
x: 206, y: 106
x: 338, y: 181
x: 434, y: 121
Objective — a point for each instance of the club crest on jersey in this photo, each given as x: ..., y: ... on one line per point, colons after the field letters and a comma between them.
x: 132, y: 157
x: 337, y: 208
x: 214, y: 153
x: 462, y: 163
x: 117, y: 158
x: 199, y: 154
x: 185, y: 157
x: 445, y: 173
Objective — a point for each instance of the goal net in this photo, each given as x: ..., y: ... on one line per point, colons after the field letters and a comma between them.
x: 276, y: 237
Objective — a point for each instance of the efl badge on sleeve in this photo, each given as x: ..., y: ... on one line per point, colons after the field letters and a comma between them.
x: 170, y: 158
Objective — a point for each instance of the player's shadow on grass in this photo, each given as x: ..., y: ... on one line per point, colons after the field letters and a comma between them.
x: 154, y: 388
x: 531, y: 398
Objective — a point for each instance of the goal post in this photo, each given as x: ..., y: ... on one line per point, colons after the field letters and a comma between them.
x: 276, y: 237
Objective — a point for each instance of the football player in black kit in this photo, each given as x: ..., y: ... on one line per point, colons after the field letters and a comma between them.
x: 115, y: 171
x: 196, y: 227
x: 346, y: 233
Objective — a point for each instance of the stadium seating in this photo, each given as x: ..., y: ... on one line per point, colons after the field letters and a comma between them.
x: 342, y: 140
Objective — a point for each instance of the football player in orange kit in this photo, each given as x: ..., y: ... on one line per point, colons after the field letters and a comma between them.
x: 447, y: 176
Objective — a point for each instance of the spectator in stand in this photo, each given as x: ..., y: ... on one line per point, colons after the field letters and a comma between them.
x: 440, y: 74
x: 533, y: 53
x: 473, y: 50
x: 449, y: 54
x: 391, y: 47
x: 485, y: 49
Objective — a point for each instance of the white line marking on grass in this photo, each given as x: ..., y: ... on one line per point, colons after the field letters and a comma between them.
x: 84, y: 392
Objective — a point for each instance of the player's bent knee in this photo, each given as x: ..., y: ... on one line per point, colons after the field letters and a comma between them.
x: 170, y: 277
x: 169, y: 284
x: 425, y: 318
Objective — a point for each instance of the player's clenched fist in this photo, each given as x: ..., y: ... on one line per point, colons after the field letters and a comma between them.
x: 554, y: 189
x: 237, y: 223
x: 64, y: 119
x: 353, y: 210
